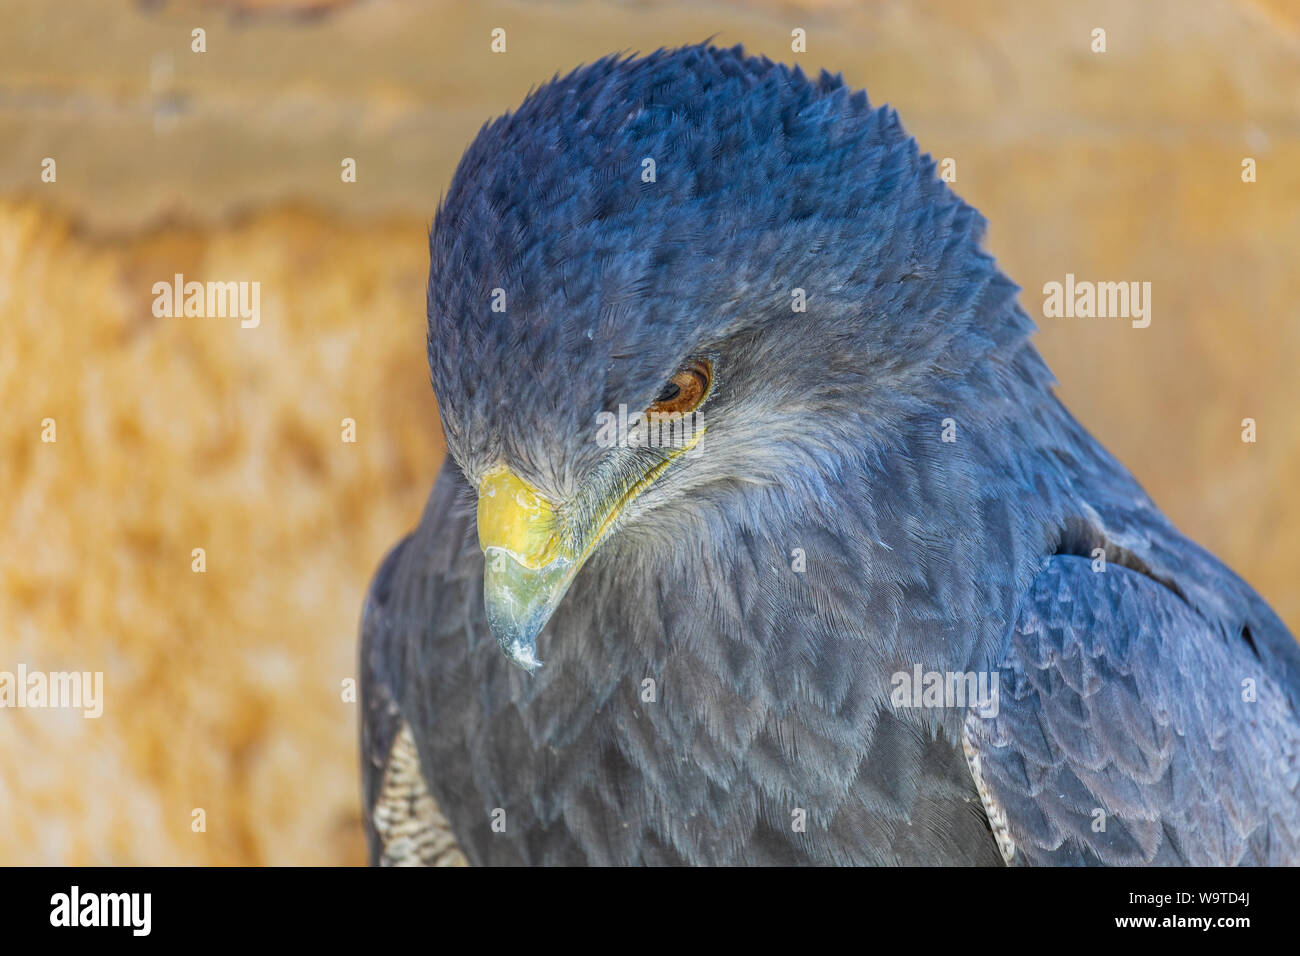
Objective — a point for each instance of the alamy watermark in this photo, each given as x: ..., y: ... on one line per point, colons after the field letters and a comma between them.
x: 1100, y: 300
x: 132, y: 911
x: 181, y: 299
x: 977, y: 690
x: 73, y: 690
x: 650, y: 430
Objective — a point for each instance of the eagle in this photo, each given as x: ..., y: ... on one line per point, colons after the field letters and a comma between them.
x: 763, y: 537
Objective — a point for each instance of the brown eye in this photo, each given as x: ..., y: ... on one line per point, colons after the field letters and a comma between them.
x: 685, y: 390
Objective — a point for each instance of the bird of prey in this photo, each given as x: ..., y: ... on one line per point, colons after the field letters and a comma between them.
x: 764, y: 639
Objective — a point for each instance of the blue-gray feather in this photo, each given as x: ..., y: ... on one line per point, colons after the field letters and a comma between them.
x: 1132, y: 730
x: 772, y: 687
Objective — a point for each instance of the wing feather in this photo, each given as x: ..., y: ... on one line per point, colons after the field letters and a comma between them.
x: 1125, y: 732
x: 404, y: 824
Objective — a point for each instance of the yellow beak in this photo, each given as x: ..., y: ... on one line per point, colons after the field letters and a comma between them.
x: 530, y: 555
x: 527, y: 568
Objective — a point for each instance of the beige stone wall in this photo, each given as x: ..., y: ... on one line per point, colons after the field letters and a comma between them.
x: 222, y: 690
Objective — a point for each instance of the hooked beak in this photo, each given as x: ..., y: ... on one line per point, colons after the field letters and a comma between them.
x: 530, y: 555
x: 527, y: 565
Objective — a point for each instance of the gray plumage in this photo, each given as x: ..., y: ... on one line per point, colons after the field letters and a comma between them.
x: 1122, y: 692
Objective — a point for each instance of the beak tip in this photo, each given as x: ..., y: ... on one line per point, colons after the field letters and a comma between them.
x: 521, y: 653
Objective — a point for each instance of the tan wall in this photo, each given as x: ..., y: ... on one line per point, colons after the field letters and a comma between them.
x: 223, y: 689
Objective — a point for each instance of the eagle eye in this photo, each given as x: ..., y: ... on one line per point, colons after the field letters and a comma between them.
x: 685, y: 390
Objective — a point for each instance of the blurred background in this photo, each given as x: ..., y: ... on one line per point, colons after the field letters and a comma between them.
x: 226, y: 690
